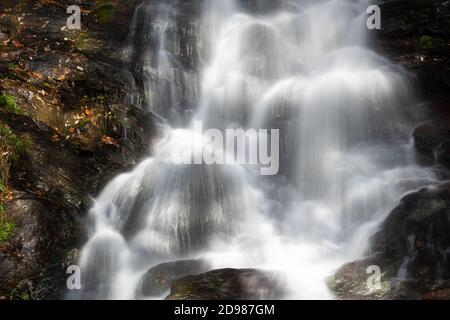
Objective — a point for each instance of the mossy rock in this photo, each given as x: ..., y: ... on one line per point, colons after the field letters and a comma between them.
x: 8, y: 102
x: 228, y: 284
x: 158, y: 279
x: 351, y: 280
x: 429, y: 42
x: 16, y: 147
x: 105, y: 12
x: 6, y: 226
x: 83, y: 41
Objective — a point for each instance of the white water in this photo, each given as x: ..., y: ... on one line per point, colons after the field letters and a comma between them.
x: 307, y: 69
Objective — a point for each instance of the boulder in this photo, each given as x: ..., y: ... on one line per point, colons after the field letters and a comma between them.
x: 420, y: 228
x: 351, y: 280
x: 412, y: 250
x: 228, y: 284
x: 158, y: 280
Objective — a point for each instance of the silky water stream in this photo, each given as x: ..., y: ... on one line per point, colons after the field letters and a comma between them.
x: 305, y: 68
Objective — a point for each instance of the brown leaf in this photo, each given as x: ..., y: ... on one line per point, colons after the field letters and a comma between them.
x: 89, y: 112
x: 10, y: 196
x: 55, y: 138
x: 38, y: 75
x: 17, y: 43
x: 109, y: 140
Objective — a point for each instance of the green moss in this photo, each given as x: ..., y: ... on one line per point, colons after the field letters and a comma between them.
x: 9, y: 103
x: 6, y: 227
x: 13, y: 149
x: 17, y: 147
x: 13, y: 66
x: 82, y: 123
x: 105, y: 13
x: 101, y: 98
x: 84, y: 42
x: 428, y: 42
x: 25, y: 296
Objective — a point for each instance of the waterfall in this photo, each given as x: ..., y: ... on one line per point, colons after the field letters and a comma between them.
x: 303, y: 67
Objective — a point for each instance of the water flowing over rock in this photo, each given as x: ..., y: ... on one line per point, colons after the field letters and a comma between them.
x: 227, y: 284
x: 411, y: 250
x: 306, y: 68
x: 158, y: 280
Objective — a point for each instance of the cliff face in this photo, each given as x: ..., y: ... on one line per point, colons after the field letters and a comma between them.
x: 68, y: 124
x: 65, y: 132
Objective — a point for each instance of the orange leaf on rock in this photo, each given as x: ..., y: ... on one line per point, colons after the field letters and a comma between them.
x: 17, y: 43
x: 89, y: 112
x: 109, y: 140
x: 10, y: 196
x: 38, y: 75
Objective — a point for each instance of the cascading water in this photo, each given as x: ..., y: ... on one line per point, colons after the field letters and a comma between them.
x: 303, y: 67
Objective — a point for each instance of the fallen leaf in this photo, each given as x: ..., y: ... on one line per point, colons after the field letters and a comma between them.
x: 17, y: 43
x: 109, y: 140
x: 10, y: 196
x: 38, y: 75
x: 55, y: 138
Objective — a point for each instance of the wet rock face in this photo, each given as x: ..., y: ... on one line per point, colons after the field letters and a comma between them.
x: 68, y: 91
x: 39, y: 227
x: 159, y: 279
x: 164, y: 52
x: 415, y: 236
x: 351, y: 280
x: 412, y: 250
x: 228, y: 284
x: 432, y: 142
x: 415, y: 34
x: 419, y: 228
x: 430, y: 135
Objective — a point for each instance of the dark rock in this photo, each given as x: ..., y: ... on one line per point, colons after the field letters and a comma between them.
x: 3, y: 36
x: 228, y: 284
x: 55, y: 75
x: 159, y: 279
x: 430, y: 135
x: 443, y: 294
x: 413, y: 245
x: 415, y: 34
x: 350, y: 281
x: 39, y: 229
x: 419, y: 228
x: 443, y: 153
